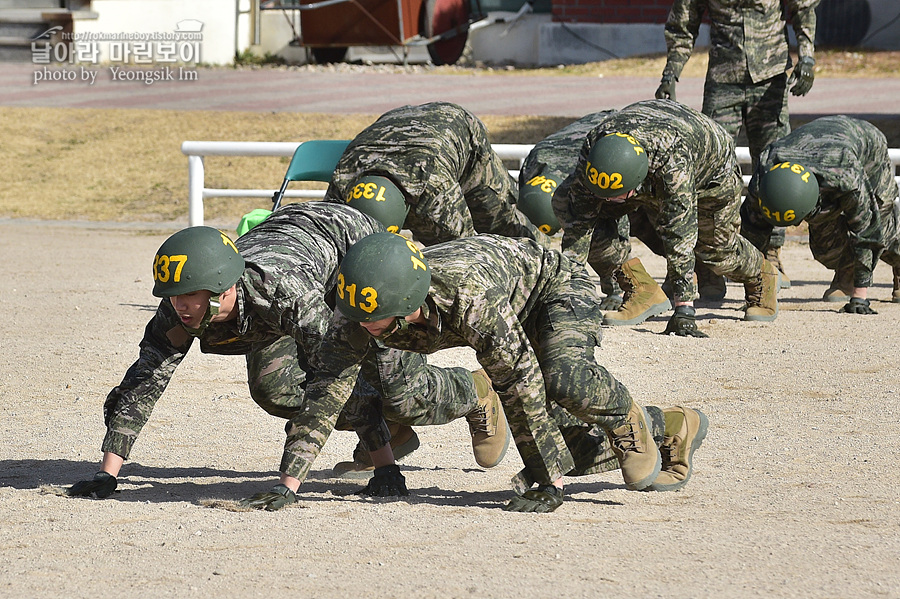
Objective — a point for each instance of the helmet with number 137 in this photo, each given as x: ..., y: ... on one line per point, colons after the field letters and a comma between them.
x: 383, y: 275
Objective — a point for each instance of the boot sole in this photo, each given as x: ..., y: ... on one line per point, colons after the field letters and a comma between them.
x: 649, y: 313
x: 647, y: 481
x: 695, y: 445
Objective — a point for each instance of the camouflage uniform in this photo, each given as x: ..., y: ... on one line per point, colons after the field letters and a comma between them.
x: 531, y: 316
x: 284, y: 302
x: 556, y: 155
x: 746, y: 81
x: 857, y: 218
x: 691, y: 195
x: 440, y: 157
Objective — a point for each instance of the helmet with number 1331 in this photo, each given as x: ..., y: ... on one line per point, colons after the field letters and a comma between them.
x: 383, y: 275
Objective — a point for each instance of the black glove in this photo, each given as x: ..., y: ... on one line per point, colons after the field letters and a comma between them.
x: 385, y: 482
x: 666, y: 88
x: 271, y: 501
x: 858, y: 306
x: 101, y: 486
x: 684, y: 323
x: 803, y: 76
x: 542, y: 500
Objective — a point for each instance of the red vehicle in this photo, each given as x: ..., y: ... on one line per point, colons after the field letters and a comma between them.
x: 328, y: 28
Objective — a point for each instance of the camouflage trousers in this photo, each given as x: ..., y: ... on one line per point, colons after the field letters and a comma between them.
x: 393, y: 385
x: 761, y: 109
x: 829, y: 239
x: 583, y: 398
x: 719, y: 246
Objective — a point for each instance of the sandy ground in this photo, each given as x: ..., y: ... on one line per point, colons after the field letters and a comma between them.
x: 793, y: 492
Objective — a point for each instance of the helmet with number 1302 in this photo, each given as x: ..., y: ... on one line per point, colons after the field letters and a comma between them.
x: 616, y: 165
x: 382, y: 275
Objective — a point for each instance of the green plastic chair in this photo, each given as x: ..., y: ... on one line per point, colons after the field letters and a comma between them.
x: 313, y: 160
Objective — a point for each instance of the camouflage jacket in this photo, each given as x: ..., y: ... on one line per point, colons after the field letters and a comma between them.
x: 690, y: 157
x: 435, y: 153
x: 482, y: 291
x: 556, y: 154
x: 850, y: 160
x: 291, y: 264
x: 748, y: 38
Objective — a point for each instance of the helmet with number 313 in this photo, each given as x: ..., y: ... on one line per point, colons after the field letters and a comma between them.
x: 382, y: 275
x: 617, y: 164
x: 193, y: 259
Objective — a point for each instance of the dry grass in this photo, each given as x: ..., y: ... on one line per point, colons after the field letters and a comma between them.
x: 126, y: 165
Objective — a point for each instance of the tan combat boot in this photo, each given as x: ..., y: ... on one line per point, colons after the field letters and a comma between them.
x: 487, y: 424
x: 404, y: 441
x: 710, y: 286
x: 895, y: 296
x: 762, y: 295
x: 643, y: 297
x: 773, y: 255
x: 841, y: 288
x: 633, y: 445
x: 685, y: 431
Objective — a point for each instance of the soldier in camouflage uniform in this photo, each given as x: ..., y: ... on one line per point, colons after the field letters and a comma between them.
x: 271, y: 302
x: 531, y: 316
x: 435, y: 160
x: 679, y: 168
x: 550, y: 161
x: 850, y: 202
x: 746, y: 80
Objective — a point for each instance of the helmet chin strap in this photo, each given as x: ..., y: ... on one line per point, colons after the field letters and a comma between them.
x: 212, y: 310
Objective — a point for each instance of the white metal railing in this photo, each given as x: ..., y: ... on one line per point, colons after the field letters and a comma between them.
x: 197, y: 192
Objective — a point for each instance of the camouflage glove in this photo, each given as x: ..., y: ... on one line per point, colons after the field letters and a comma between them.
x: 666, y: 88
x: 101, y: 486
x: 611, y: 303
x: 385, y: 482
x: 858, y: 306
x: 684, y: 323
x: 803, y: 76
x: 541, y: 500
x: 271, y: 501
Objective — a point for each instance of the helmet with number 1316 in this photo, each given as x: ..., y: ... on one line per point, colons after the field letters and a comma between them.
x: 788, y: 193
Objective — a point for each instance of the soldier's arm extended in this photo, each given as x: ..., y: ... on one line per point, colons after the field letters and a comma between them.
x: 577, y: 209
x: 677, y: 226
x: 863, y: 219
x: 682, y: 27
x: 802, y: 14
x: 128, y: 405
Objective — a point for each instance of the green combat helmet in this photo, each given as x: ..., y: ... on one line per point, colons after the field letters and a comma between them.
x: 616, y: 164
x: 382, y: 275
x: 534, y: 202
x: 787, y: 194
x: 381, y: 199
x: 193, y: 259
